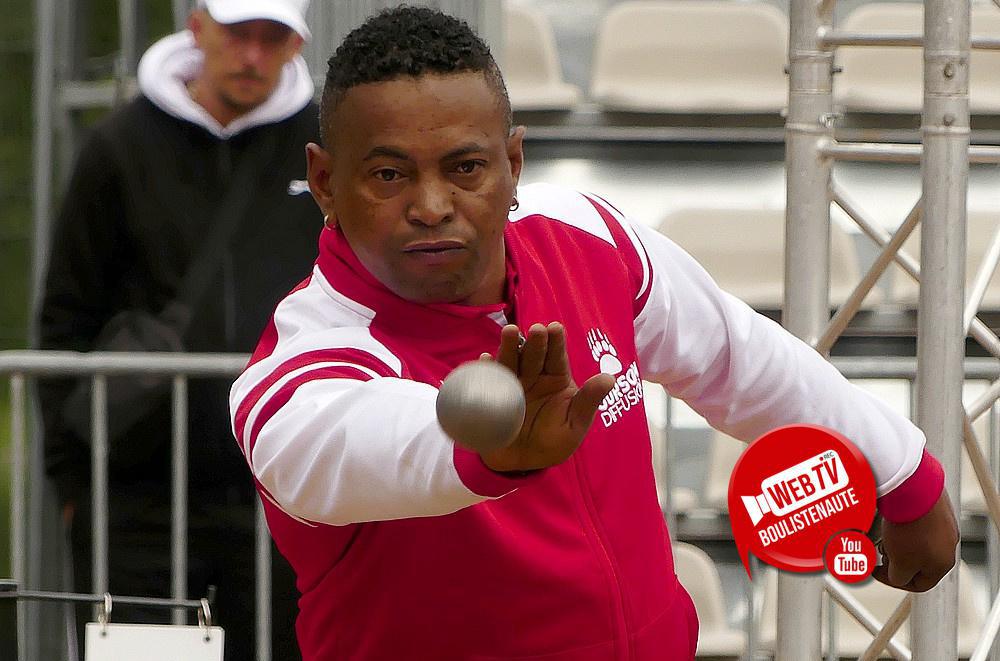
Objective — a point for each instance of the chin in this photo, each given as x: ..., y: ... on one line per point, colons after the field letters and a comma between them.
x: 448, y: 292
x: 244, y: 104
x: 436, y: 296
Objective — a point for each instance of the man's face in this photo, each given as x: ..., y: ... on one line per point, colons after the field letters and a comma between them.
x: 420, y: 177
x: 243, y: 61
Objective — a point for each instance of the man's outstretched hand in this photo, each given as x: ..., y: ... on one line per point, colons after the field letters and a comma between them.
x: 557, y: 413
x: 918, y: 554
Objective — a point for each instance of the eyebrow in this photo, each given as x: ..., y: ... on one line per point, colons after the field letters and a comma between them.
x: 468, y: 148
x: 392, y: 152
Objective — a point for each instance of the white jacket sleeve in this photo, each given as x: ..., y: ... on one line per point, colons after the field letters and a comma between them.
x: 334, y: 437
x: 746, y: 375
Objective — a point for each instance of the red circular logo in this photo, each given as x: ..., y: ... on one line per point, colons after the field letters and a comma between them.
x: 850, y: 556
x: 792, y: 489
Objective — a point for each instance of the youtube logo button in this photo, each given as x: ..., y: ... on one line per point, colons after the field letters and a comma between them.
x: 850, y: 556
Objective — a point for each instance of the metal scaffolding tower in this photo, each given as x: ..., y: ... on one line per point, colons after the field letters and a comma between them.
x: 944, y: 317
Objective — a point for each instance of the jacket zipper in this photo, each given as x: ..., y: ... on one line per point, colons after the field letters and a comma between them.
x: 608, y: 560
x: 226, y: 169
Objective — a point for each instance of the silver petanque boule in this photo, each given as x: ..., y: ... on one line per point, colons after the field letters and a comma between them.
x: 481, y: 406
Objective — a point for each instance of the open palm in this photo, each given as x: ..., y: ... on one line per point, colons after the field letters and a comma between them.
x: 557, y: 414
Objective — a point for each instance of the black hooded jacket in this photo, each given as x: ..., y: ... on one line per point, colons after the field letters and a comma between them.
x: 146, y: 187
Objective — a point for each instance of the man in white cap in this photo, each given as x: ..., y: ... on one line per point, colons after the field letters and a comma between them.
x: 205, y: 167
x: 246, y: 46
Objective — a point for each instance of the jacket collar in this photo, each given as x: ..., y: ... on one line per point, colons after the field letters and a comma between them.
x: 435, y: 323
x: 173, y: 61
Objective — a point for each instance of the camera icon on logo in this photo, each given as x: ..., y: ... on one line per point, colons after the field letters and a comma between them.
x: 850, y: 564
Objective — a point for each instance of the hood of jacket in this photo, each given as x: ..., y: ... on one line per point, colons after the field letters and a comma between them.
x: 173, y: 61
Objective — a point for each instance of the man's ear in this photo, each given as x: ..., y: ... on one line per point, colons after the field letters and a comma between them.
x: 319, y: 166
x: 515, y: 152
x: 196, y: 23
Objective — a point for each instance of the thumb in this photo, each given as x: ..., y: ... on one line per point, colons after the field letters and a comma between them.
x: 586, y: 400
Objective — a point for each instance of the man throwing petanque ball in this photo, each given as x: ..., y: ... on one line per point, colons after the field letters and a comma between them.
x: 548, y: 541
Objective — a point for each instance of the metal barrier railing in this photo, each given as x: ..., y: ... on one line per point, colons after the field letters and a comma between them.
x: 10, y: 592
x: 22, y: 365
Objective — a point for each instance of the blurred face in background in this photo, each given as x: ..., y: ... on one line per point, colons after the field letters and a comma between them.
x: 243, y: 63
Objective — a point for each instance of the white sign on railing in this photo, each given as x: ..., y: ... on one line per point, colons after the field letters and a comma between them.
x: 151, y: 642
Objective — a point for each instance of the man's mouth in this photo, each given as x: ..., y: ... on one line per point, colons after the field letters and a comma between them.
x: 433, y: 247
x: 248, y: 78
x: 436, y: 254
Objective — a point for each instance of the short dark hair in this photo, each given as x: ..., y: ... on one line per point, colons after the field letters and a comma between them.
x: 407, y: 41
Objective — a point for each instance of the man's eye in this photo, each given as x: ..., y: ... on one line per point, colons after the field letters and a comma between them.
x: 468, y: 167
x: 277, y: 35
x: 386, y: 174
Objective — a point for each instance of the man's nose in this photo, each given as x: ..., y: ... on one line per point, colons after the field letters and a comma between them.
x: 432, y: 203
x: 253, y: 52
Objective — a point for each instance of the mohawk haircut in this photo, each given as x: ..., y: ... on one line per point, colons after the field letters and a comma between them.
x: 407, y: 41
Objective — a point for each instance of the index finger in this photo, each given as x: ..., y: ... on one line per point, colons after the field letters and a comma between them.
x: 508, y: 354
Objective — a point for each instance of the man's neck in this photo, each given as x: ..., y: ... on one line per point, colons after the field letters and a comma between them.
x: 221, y: 111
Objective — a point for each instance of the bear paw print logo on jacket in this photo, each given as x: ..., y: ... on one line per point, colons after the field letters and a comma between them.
x: 628, y: 386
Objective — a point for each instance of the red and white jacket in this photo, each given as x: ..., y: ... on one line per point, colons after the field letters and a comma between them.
x: 408, y: 547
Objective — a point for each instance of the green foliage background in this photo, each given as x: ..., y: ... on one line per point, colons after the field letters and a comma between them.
x: 98, y: 21
x: 16, y: 57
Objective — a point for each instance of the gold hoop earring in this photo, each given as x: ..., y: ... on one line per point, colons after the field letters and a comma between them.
x: 329, y: 224
x: 514, y: 205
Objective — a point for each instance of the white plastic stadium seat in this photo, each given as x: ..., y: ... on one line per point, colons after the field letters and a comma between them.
x: 980, y: 226
x: 881, y: 600
x: 698, y: 575
x: 722, y: 456
x: 683, y: 500
x: 692, y: 56
x: 743, y: 250
x: 531, y: 63
x: 890, y: 80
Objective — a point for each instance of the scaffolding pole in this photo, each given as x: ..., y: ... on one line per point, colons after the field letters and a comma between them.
x: 830, y: 39
x: 42, y: 147
x: 807, y: 268
x: 181, y: 9
x: 940, y: 336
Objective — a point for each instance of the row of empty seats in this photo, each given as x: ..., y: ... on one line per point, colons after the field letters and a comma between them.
x: 743, y: 250
x: 692, y: 56
x: 718, y: 638
x: 725, y: 57
x: 891, y: 79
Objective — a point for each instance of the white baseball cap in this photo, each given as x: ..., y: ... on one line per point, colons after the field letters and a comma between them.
x: 289, y: 12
